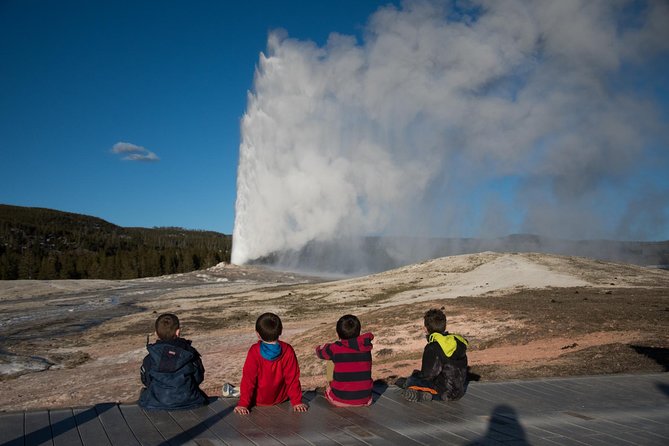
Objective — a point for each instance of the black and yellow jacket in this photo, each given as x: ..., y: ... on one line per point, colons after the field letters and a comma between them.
x: 445, y: 364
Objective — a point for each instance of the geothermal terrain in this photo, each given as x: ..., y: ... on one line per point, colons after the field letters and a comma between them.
x: 74, y: 343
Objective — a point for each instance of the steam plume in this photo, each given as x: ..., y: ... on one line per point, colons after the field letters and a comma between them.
x: 498, y: 117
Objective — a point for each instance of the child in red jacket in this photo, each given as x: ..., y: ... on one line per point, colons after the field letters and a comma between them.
x: 271, y: 374
x: 349, y: 367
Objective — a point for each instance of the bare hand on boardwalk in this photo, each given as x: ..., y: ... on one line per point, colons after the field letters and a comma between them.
x: 241, y: 410
x: 300, y: 407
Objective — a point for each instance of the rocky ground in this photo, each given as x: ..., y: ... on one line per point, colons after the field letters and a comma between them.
x: 74, y: 343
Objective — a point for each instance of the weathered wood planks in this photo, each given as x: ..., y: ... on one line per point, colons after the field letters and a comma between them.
x: 612, y: 410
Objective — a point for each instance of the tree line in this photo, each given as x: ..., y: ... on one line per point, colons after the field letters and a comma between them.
x: 37, y: 243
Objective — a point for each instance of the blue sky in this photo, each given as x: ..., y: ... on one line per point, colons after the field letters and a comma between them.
x: 169, y: 77
x: 130, y: 111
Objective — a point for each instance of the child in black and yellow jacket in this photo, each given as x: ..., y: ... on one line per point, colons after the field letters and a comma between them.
x: 443, y: 373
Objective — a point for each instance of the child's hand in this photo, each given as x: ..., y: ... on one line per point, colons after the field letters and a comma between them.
x: 300, y: 407
x: 241, y: 410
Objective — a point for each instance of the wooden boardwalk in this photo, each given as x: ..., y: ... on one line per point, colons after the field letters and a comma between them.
x: 597, y: 410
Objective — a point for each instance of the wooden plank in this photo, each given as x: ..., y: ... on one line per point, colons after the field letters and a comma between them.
x: 301, y: 424
x: 363, y: 417
x: 141, y: 426
x: 117, y: 429
x: 603, y: 440
x: 274, y: 423
x: 634, y: 436
x: 656, y: 421
x: 167, y: 426
x: 243, y: 424
x: 426, y: 419
x: 451, y: 412
x: 472, y: 404
x: 332, y: 425
x: 563, y: 387
x: 215, y: 421
x: 538, y: 397
x: 404, y: 419
x: 632, y: 392
x: 538, y: 390
x: 566, y: 425
x: 37, y: 428
x: 11, y: 428
x: 355, y: 430
x: 602, y: 410
x: 90, y: 428
x: 193, y: 427
x: 518, y: 396
x: 444, y: 415
x: 64, y: 428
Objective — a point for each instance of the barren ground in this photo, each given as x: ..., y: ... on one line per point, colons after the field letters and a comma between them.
x: 74, y: 343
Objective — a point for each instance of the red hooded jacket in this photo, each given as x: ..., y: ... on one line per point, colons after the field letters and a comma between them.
x: 352, y: 380
x: 269, y: 382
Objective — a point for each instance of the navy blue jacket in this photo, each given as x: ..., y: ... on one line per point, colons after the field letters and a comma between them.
x: 172, y: 372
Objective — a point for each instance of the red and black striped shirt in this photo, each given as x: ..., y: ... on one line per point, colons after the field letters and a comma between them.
x: 352, y: 379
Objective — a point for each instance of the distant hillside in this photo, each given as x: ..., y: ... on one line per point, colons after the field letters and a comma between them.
x: 366, y: 255
x: 38, y: 243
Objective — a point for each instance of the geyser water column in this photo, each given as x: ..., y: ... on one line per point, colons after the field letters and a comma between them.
x: 314, y: 164
x: 510, y: 116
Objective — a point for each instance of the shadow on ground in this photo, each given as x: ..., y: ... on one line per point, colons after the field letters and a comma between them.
x: 504, y: 426
x: 657, y: 354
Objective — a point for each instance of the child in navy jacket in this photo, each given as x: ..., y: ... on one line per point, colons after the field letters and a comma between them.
x: 172, y: 371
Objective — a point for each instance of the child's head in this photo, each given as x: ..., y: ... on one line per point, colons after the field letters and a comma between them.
x: 167, y: 326
x: 348, y: 327
x: 269, y: 327
x: 435, y: 321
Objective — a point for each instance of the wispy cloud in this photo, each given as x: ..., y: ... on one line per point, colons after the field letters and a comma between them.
x: 132, y: 152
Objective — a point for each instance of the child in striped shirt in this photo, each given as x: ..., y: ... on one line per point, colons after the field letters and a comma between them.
x: 349, y: 366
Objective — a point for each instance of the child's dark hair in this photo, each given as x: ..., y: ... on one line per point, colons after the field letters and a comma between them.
x: 435, y: 321
x: 166, y: 326
x: 348, y: 327
x: 269, y: 327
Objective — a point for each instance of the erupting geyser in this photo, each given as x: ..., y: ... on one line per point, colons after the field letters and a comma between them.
x: 508, y: 116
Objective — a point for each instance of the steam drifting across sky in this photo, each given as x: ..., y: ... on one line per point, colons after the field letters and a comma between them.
x: 499, y: 117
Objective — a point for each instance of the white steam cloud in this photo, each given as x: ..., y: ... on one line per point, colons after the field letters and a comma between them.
x: 504, y: 116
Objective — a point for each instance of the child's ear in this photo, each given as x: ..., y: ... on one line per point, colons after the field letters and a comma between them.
x: 258, y: 334
x: 178, y: 332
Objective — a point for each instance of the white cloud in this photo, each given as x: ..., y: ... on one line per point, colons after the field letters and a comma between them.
x: 133, y: 152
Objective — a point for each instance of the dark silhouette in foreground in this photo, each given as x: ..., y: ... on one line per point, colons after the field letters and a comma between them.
x: 503, y: 427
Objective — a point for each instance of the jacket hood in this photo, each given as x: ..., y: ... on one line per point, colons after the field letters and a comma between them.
x: 283, y: 348
x: 449, y: 343
x: 362, y: 343
x: 270, y: 351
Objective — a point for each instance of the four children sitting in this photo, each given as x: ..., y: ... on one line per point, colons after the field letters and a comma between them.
x: 173, y: 370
